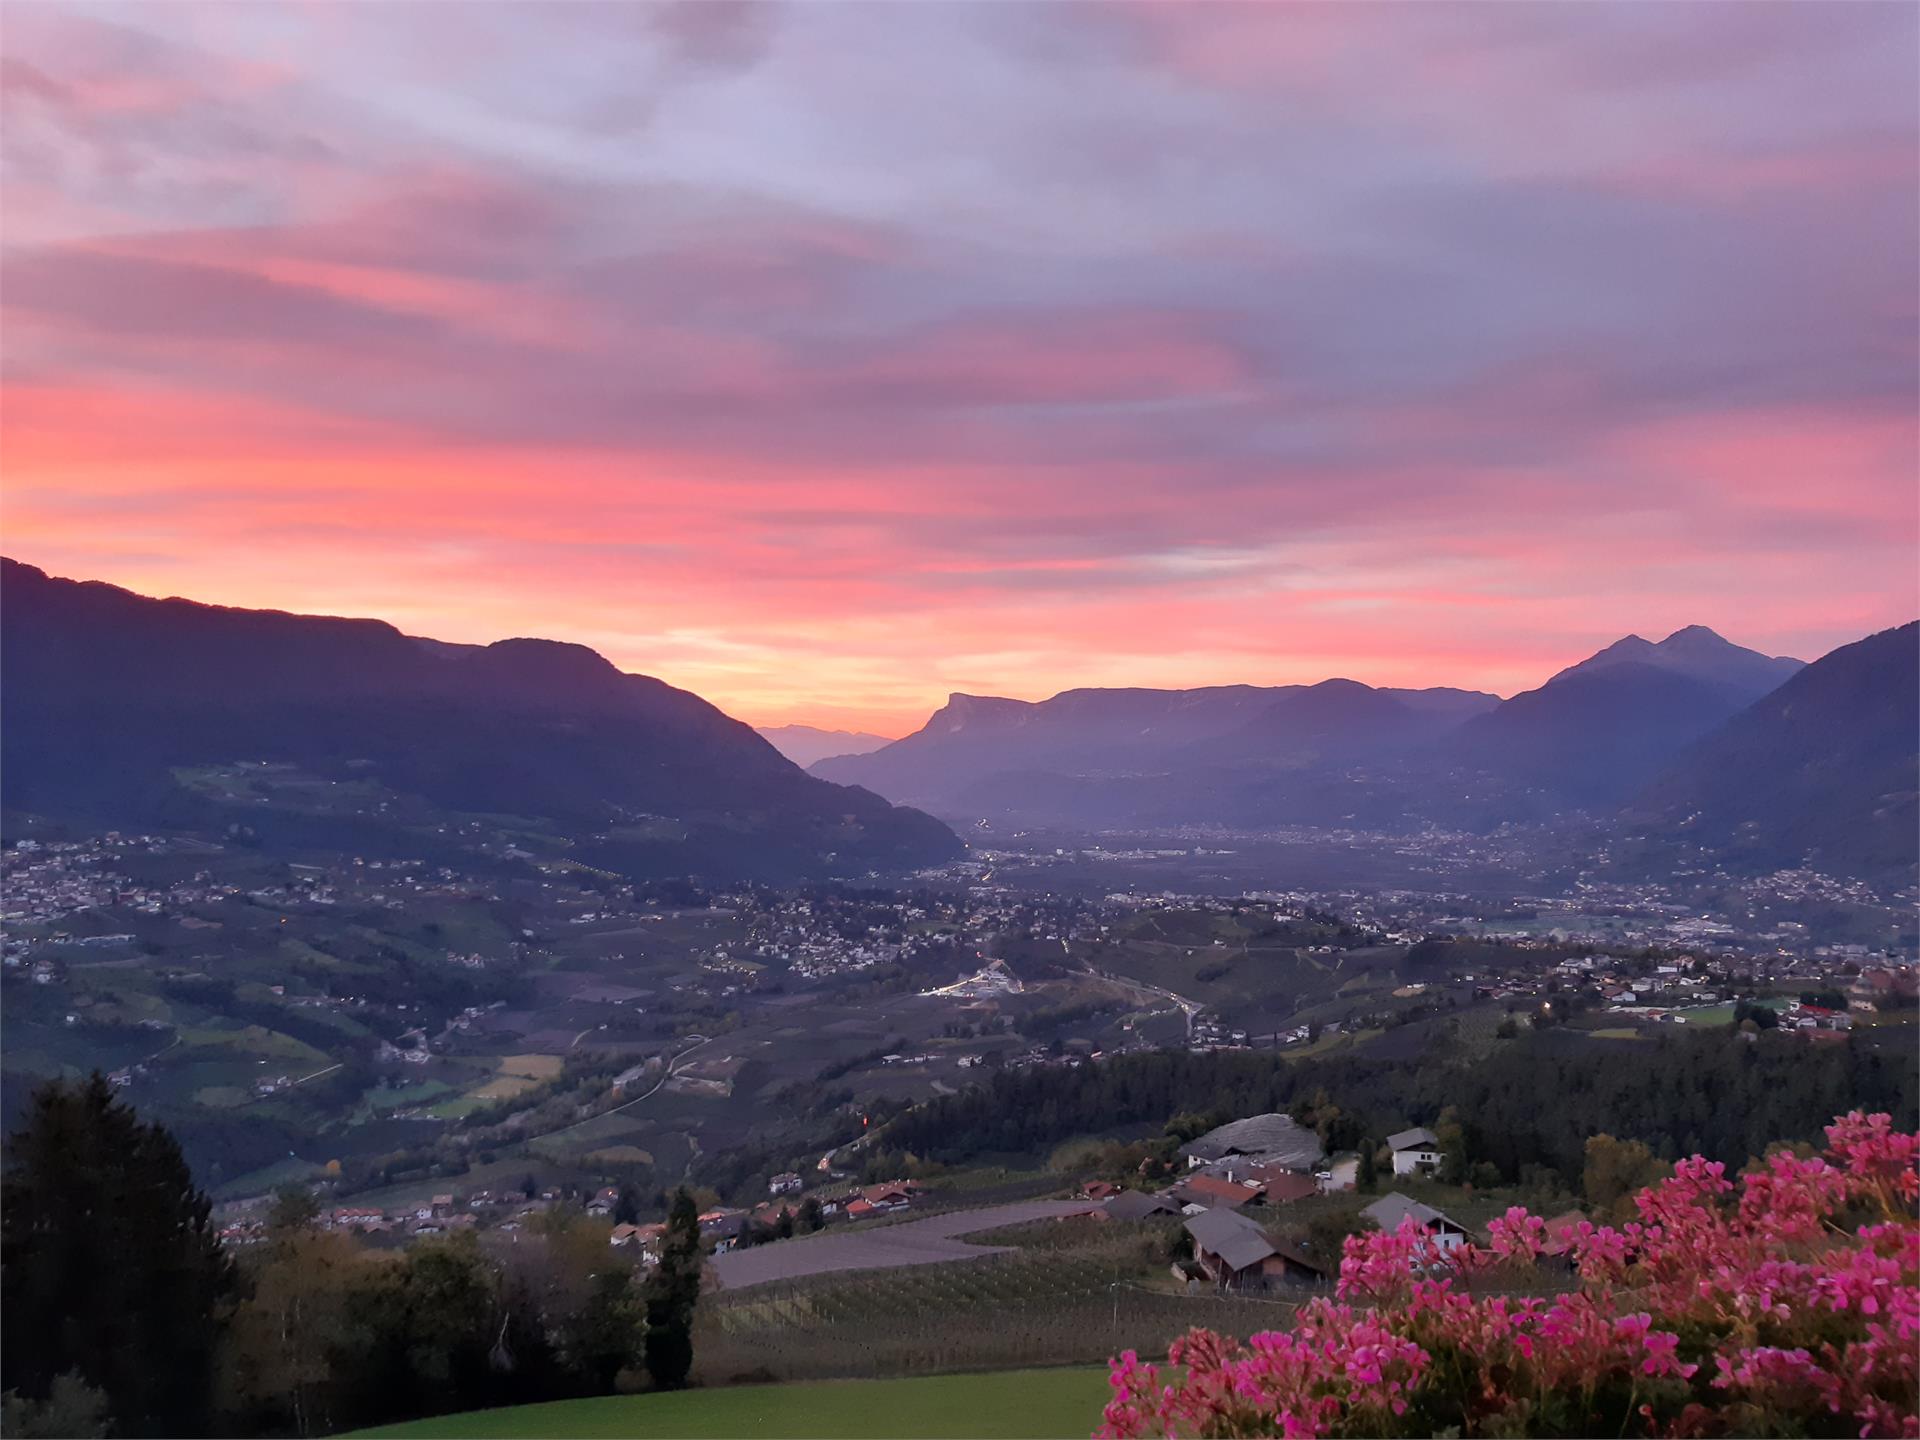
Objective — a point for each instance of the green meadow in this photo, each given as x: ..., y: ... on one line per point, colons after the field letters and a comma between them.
x: 1005, y: 1405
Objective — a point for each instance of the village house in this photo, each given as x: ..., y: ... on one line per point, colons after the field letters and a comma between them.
x: 1818, y: 1017
x: 1207, y: 1192
x: 1135, y: 1205
x: 1235, y: 1253
x: 1389, y: 1212
x: 645, y: 1239
x: 1415, y: 1151
x: 725, y: 1223
x: 890, y: 1195
x: 1282, y: 1187
x: 785, y: 1184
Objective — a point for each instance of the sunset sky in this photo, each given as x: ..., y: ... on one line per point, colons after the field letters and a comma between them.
x: 824, y: 359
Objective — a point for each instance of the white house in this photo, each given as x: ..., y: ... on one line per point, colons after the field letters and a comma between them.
x: 1415, y: 1152
x: 1389, y: 1211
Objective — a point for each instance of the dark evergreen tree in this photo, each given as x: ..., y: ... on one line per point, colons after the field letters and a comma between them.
x: 673, y: 1291
x: 626, y: 1210
x: 109, y: 1263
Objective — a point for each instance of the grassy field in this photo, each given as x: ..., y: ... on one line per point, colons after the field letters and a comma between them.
x: 1017, y: 1404
x: 518, y: 1073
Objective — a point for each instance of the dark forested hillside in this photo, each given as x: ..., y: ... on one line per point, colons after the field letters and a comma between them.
x: 1824, y: 771
x: 1602, y: 728
x: 110, y: 694
x: 1532, y: 1103
x: 1591, y: 737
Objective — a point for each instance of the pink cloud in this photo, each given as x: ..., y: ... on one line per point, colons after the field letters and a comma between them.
x: 1234, y: 344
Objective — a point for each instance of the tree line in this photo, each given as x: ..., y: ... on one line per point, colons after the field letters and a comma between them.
x: 124, y: 1314
x: 1533, y: 1103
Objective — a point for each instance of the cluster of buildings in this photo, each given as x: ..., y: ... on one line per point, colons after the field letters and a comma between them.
x: 245, y: 1222
x: 506, y: 1212
x: 50, y: 883
x: 1668, y: 989
x: 1209, y: 1032
x: 816, y: 937
x: 1254, y: 1166
x: 1249, y: 1168
x: 1263, y: 1160
x: 1759, y: 916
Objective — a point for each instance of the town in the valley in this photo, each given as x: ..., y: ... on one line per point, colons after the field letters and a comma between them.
x: 476, y: 1038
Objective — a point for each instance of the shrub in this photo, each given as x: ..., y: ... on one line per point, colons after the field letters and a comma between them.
x: 1786, y: 1305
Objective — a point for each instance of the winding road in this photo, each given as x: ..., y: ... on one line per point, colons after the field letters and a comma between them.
x: 667, y: 1072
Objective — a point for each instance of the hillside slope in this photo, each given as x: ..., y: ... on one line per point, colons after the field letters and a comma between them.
x: 1599, y: 730
x: 1824, y: 771
x: 109, y: 694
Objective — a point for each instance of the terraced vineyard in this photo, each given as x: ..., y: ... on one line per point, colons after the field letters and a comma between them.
x: 1076, y: 1291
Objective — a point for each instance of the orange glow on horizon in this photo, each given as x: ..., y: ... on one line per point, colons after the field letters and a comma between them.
x: 351, y: 310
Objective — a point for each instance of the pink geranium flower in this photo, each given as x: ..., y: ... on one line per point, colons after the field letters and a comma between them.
x: 1730, y: 1307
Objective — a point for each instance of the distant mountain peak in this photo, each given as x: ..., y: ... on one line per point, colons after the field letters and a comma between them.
x: 1693, y: 634
x: 1697, y: 652
x: 962, y: 709
x: 807, y: 744
x: 1626, y: 648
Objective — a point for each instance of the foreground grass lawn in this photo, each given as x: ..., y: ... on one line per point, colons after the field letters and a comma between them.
x: 1003, y: 1405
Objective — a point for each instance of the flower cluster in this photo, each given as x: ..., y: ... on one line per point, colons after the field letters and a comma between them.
x: 1786, y: 1302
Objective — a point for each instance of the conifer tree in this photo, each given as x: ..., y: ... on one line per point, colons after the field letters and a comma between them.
x: 673, y: 1291
x: 109, y: 1263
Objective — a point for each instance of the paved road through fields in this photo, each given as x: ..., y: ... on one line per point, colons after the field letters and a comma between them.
x: 916, y: 1242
